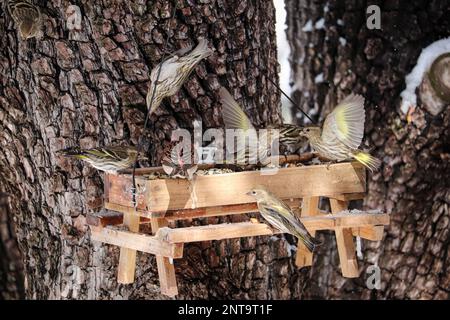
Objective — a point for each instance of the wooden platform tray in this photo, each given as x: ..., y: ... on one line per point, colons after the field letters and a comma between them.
x: 161, y: 195
x: 160, y: 201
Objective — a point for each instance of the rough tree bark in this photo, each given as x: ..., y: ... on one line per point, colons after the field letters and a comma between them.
x: 86, y: 87
x: 11, y: 267
x: 413, y: 184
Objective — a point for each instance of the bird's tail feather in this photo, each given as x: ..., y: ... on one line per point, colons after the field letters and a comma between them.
x: 72, y: 152
x: 309, y: 241
x: 368, y: 160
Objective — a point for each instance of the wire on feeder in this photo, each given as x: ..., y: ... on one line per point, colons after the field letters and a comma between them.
x: 291, y: 101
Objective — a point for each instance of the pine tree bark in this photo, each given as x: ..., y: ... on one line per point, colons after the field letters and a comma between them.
x: 87, y: 88
x: 11, y: 268
x: 344, y: 56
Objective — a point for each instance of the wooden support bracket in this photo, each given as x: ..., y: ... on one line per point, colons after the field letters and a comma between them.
x: 136, y: 241
x: 166, y: 269
x: 310, y: 207
x: 127, y: 259
x: 345, y: 244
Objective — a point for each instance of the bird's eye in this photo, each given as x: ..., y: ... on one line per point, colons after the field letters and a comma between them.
x: 307, y: 130
x: 253, y: 192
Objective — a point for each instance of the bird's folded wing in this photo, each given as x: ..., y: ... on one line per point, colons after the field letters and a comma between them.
x: 168, y: 70
x: 107, y: 153
x: 346, y: 122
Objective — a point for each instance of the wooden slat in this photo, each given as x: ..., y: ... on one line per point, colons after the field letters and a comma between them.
x: 214, y: 232
x: 113, y: 218
x: 119, y: 191
x: 345, y: 244
x: 231, y: 188
x: 116, y: 216
x: 166, y: 270
x: 124, y: 209
x: 247, y: 229
x: 211, y: 211
x: 344, y: 220
x: 310, y: 207
x: 215, y: 190
x: 103, y: 219
x: 173, y: 215
x: 127, y: 258
x: 348, y: 196
x: 136, y: 241
x: 373, y: 233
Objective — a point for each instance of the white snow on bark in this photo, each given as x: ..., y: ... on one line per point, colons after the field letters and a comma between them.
x: 414, y: 79
x: 308, y: 27
x: 320, y: 24
x: 319, y: 78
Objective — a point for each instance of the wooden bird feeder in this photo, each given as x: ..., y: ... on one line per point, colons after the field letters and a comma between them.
x: 163, y: 200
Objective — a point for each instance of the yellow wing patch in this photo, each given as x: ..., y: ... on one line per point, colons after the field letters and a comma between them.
x: 346, y: 122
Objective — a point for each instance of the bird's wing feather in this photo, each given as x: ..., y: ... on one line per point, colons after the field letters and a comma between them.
x: 346, y: 122
x: 168, y: 70
x: 235, y: 118
x: 282, y: 208
x: 113, y: 153
x: 285, y: 219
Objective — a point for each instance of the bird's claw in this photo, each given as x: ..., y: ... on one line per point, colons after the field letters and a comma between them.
x: 330, y: 163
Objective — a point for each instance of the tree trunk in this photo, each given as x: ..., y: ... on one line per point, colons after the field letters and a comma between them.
x: 413, y: 186
x: 11, y: 268
x: 86, y: 88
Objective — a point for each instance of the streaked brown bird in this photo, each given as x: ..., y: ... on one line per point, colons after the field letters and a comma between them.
x: 109, y: 159
x: 174, y: 72
x: 281, y: 217
x: 27, y: 17
x: 179, y: 160
x: 342, y: 133
x: 235, y: 118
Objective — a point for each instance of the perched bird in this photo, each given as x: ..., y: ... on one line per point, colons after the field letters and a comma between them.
x: 178, y: 162
x: 174, y: 72
x: 290, y: 135
x: 280, y: 216
x: 342, y: 133
x: 235, y: 118
x: 109, y: 159
x: 27, y: 17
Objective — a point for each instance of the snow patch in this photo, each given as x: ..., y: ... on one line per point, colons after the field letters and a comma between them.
x: 319, y: 78
x: 283, y: 57
x: 340, y: 22
x: 308, y: 27
x: 414, y: 79
x: 342, y: 41
x: 320, y: 24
